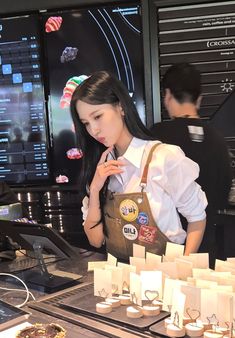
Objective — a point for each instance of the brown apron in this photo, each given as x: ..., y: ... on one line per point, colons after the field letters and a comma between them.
x: 128, y: 220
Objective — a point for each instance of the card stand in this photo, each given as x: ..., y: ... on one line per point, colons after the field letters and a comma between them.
x: 85, y: 303
x: 50, y: 282
x: 160, y: 329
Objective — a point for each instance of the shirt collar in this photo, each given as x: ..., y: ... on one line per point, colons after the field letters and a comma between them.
x: 134, y: 152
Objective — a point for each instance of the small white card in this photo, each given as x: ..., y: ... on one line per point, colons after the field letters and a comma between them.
x: 200, y: 260
x: 126, y: 270
x: 184, y: 268
x: 169, y: 286
x: 102, y: 283
x: 99, y: 265
x: 225, y: 307
x: 151, y: 285
x: 216, y: 306
x: 138, y: 250
x: 193, y: 301
x: 111, y: 260
x: 224, y: 266
x: 117, y: 278
x: 178, y: 305
x: 153, y: 261
x: 170, y: 269
x: 135, y: 288
x: 231, y: 260
x: 173, y: 251
x: 209, y: 305
x: 205, y: 284
x: 201, y: 273
x: 139, y: 263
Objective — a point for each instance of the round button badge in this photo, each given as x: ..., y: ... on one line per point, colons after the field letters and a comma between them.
x: 130, y: 232
x: 142, y: 218
x: 128, y: 210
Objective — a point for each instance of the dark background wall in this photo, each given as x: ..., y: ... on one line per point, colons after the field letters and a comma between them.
x: 58, y: 204
x: 15, y: 6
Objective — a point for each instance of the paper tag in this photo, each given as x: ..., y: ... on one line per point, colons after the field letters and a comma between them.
x: 200, y: 260
x: 170, y: 269
x: 169, y: 286
x: 102, y: 283
x: 209, y: 304
x: 173, y: 250
x: 184, y: 268
x: 135, y: 288
x: 99, y: 265
x: 178, y: 305
x: 117, y: 278
x: 153, y: 261
x: 139, y: 263
x: 111, y: 260
x: 138, y: 251
x: 193, y: 298
x: 151, y: 282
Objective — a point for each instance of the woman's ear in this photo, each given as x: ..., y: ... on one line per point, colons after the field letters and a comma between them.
x: 121, y: 109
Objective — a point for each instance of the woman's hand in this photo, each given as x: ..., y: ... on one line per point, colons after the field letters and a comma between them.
x: 105, y: 169
x: 92, y: 227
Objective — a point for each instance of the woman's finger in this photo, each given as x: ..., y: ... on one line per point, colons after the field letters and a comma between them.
x: 113, y: 163
x: 104, y: 155
x: 107, y: 168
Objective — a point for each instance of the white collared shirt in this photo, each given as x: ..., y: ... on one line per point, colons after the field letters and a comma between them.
x: 170, y: 185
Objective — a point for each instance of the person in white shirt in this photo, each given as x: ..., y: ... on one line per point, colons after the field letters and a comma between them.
x: 137, y: 185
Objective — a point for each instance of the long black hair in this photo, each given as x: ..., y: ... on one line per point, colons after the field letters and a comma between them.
x: 102, y: 88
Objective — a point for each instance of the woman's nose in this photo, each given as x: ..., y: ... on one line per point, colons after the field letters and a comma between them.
x: 94, y: 130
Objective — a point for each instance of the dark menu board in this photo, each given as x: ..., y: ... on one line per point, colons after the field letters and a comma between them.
x: 23, y: 146
x: 78, y: 43
x: 202, y: 34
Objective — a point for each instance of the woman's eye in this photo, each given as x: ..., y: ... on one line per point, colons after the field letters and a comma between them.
x: 97, y: 117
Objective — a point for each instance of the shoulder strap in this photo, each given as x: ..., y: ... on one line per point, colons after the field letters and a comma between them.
x: 146, y: 167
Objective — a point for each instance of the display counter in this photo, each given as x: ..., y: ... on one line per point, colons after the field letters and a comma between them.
x: 81, y: 321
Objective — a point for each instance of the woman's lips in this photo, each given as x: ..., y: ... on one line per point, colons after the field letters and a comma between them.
x: 101, y: 139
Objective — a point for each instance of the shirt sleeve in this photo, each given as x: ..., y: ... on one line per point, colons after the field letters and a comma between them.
x: 177, y: 176
x: 85, y: 204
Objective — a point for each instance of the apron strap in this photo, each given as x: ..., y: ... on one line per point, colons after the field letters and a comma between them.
x: 146, y: 167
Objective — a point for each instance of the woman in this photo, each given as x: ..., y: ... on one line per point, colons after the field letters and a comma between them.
x: 136, y: 184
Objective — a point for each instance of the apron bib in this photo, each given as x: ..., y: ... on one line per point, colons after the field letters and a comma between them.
x: 128, y: 220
